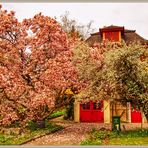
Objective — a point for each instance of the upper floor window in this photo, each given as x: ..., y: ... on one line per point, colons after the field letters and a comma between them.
x: 112, y: 36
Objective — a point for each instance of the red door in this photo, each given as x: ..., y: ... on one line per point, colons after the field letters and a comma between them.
x: 92, y: 112
x: 136, y: 116
x: 85, y: 112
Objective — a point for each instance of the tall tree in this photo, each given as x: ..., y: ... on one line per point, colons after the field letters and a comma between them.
x: 126, y: 75
x: 32, y: 84
x: 74, y: 28
x: 89, y: 63
x: 114, y: 71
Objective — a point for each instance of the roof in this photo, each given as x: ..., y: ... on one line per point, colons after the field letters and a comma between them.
x: 125, y: 31
x: 111, y: 27
x: 128, y: 36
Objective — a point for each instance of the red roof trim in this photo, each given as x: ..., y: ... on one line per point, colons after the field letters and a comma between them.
x: 111, y: 29
x: 125, y: 31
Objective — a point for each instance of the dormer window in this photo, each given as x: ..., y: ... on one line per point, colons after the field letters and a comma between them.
x: 112, y: 33
x: 112, y: 36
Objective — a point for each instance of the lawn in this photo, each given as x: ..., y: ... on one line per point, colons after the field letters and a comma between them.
x: 11, y: 137
x: 57, y: 114
x: 29, y: 133
x: 129, y: 141
x: 134, y: 137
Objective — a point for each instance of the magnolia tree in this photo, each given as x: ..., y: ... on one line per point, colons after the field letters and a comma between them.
x: 32, y: 83
x: 38, y: 63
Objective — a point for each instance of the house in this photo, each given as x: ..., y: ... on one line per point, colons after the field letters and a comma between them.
x: 103, y: 111
x: 115, y: 33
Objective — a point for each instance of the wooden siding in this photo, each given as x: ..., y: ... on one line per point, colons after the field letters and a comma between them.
x: 112, y: 36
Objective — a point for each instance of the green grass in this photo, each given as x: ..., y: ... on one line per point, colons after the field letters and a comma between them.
x: 136, y: 137
x: 57, y: 114
x: 129, y: 141
x: 28, y: 134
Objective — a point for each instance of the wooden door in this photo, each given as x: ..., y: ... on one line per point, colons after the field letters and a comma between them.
x: 136, y: 116
x: 92, y: 112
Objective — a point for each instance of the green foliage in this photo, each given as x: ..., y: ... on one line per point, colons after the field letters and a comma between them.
x: 102, y: 134
x: 96, y: 137
x: 90, y: 142
x: 32, y: 126
x: 14, y: 125
x: 126, y: 75
x: 138, y: 141
x: 123, y: 73
x: 136, y: 133
x: 86, y: 68
x: 28, y: 134
x: 21, y: 109
x: 135, y: 137
x: 138, y: 137
x: 69, y: 114
x: 57, y: 114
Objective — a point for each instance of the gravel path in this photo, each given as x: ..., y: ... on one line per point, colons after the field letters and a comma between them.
x: 74, y: 133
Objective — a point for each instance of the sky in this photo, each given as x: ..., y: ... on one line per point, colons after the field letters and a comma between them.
x: 130, y: 15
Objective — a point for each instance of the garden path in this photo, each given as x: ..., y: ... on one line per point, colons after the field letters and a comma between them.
x: 74, y: 133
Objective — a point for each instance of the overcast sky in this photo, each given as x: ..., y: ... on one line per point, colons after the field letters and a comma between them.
x: 130, y: 15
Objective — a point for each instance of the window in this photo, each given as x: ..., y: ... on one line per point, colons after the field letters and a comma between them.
x: 86, y: 106
x: 112, y: 36
x: 97, y: 106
